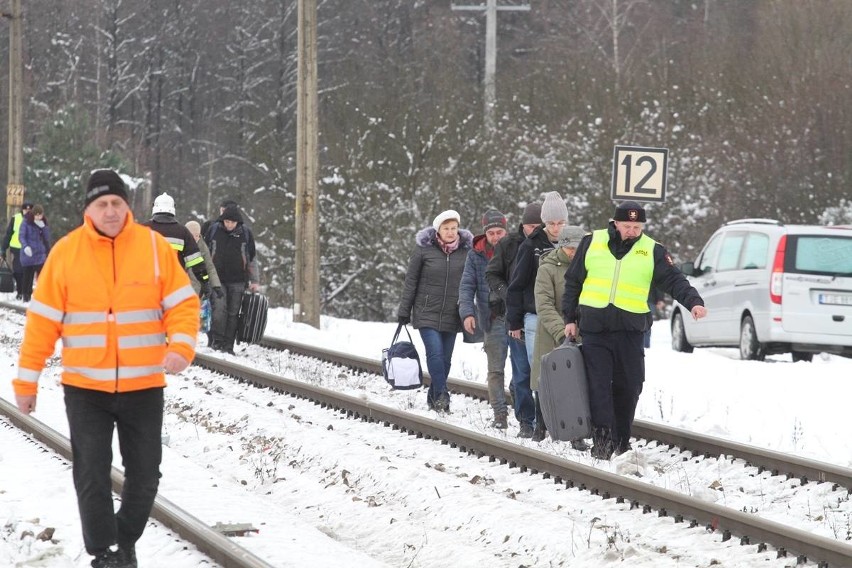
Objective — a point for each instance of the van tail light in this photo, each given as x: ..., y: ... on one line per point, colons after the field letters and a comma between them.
x: 776, y: 280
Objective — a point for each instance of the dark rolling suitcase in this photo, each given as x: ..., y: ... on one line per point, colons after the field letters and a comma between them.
x: 564, y: 393
x: 252, y: 321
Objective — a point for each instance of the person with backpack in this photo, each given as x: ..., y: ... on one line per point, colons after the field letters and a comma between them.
x: 431, y: 294
x: 475, y: 311
x: 232, y: 249
x: 35, y: 244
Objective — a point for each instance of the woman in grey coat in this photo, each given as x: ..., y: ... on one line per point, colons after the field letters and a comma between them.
x: 431, y: 294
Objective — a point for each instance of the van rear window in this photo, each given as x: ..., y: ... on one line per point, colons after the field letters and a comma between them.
x: 819, y: 254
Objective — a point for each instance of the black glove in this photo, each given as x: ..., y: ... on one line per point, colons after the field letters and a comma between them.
x: 205, y: 289
x: 403, y: 320
x: 218, y: 291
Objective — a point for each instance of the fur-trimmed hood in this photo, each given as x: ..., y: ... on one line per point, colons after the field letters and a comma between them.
x: 427, y: 237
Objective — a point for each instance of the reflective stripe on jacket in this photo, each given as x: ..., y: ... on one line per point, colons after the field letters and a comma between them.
x: 117, y: 304
x: 624, y: 283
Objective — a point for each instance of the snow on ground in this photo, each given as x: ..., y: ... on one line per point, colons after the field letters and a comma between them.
x: 324, y: 490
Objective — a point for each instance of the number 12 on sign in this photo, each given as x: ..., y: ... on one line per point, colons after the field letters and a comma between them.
x: 639, y: 173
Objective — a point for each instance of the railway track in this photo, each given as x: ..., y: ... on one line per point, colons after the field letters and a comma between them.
x: 750, y: 529
x: 217, y: 547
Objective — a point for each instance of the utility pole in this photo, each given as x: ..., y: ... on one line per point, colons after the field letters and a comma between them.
x: 306, y: 304
x: 15, y: 174
x: 491, y: 8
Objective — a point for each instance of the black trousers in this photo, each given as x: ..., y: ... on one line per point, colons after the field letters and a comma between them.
x: 138, y: 418
x: 17, y: 271
x: 615, y: 367
x: 30, y: 272
x: 226, y: 311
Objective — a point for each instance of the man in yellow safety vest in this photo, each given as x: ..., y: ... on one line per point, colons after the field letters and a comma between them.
x: 11, y: 241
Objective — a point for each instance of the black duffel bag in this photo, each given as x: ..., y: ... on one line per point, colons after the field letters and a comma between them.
x: 401, y: 363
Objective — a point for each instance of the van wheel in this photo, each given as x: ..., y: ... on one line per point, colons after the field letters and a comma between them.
x: 750, y: 348
x: 802, y: 356
x: 679, y: 342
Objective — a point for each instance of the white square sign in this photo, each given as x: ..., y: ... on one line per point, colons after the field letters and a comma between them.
x: 639, y: 174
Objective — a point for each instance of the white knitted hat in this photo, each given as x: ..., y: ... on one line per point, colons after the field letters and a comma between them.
x: 553, y: 208
x: 445, y: 216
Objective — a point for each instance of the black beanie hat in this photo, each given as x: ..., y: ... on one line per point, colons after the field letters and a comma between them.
x: 232, y: 213
x: 532, y: 214
x: 629, y: 211
x: 105, y: 182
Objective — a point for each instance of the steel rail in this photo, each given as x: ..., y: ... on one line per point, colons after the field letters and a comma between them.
x: 209, y: 542
x: 765, y: 460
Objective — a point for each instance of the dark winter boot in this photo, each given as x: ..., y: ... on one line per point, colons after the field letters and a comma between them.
x: 501, y: 421
x: 540, y: 432
x: 602, y: 439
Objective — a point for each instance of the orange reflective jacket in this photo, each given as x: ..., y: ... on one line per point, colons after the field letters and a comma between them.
x: 118, y: 304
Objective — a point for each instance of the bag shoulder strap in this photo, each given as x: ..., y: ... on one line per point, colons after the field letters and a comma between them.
x: 398, y: 329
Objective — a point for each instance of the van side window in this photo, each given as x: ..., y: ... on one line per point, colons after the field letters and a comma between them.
x: 707, y: 262
x: 756, y: 251
x: 729, y: 255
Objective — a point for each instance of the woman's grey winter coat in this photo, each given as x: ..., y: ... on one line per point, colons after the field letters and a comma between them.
x: 431, y: 293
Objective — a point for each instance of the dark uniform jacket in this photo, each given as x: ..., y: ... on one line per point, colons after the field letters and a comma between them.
x: 667, y: 278
x: 520, y: 298
x: 430, y: 296
x: 182, y: 241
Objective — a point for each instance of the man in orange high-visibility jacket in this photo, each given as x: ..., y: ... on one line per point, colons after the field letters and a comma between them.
x: 115, y: 293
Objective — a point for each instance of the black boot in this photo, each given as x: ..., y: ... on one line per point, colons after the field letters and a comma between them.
x: 602, y: 439
x: 540, y: 427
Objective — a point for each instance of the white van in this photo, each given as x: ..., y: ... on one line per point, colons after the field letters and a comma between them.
x: 771, y: 288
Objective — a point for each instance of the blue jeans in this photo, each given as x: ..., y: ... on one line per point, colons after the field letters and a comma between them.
x: 92, y: 417
x: 439, y: 354
x: 496, y: 348
x: 524, y: 403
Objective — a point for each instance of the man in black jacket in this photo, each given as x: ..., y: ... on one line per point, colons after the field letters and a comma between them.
x: 521, y: 317
x: 606, y: 292
x: 233, y: 252
x: 163, y: 221
x: 498, y: 274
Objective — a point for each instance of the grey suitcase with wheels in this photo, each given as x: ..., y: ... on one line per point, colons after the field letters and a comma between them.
x: 564, y: 393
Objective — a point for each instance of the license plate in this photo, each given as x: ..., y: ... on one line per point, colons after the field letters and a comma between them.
x: 836, y: 299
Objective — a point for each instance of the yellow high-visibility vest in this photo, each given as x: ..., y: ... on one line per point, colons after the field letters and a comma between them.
x: 624, y: 283
x: 15, y: 241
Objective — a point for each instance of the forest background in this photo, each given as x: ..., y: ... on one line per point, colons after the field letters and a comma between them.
x: 197, y: 98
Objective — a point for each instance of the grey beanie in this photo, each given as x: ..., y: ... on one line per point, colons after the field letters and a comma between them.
x: 570, y: 236
x: 554, y: 208
x: 532, y: 214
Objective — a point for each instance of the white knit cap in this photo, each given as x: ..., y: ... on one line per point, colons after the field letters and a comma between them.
x: 445, y: 216
x: 554, y: 208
